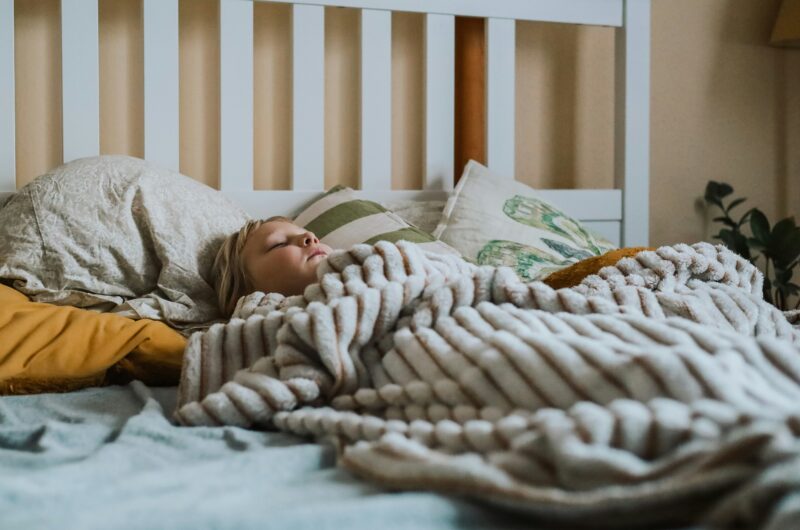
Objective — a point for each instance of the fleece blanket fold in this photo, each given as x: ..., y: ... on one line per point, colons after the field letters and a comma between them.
x: 662, y: 389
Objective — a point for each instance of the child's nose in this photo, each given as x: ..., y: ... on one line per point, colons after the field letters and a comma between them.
x: 309, y: 239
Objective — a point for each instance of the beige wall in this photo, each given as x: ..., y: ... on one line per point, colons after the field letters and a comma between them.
x: 725, y: 105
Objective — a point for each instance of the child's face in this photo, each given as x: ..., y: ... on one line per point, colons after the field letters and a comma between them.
x: 280, y: 257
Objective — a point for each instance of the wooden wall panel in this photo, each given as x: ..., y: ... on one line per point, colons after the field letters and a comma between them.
x: 199, y: 89
x: 37, y: 54
x: 121, y: 78
x: 408, y: 118
x: 470, y: 93
x: 272, y: 108
x: 342, y: 96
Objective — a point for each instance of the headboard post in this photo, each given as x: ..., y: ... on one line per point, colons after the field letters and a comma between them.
x: 161, y: 82
x: 632, y: 121
x: 80, y: 74
x: 8, y: 171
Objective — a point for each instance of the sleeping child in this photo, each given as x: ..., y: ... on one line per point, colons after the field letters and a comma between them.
x: 272, y: 255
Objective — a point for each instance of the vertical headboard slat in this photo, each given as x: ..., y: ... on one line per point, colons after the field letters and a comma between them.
x: 632, y: 121
x: 8, y: 170
x: 376, y: 100
x: 439, y: 101
x: 500, y: 102
x: 308, y: 97
x: 161, y: 83
x: 236, y: 94
x: 80, y: 74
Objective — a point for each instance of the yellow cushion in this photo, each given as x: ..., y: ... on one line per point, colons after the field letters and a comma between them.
x: 575, y: 273
x: 48, y: 348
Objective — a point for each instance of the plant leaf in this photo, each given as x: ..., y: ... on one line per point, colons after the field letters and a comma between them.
x: 727, y: 221
x: 735, y: 203
x: 767, y: 290
x: 755, y: 244
x: 782, y: 276
x: 783, y: 228
x: 715, y: 191
x: 787, y: 249
x: 784, y: 242
x: 724, y: 189
x: 760, y: 226
x: 736, y: 241
x: 746, y: 217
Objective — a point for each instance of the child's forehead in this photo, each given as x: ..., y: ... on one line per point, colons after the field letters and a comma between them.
x: 278, y: 225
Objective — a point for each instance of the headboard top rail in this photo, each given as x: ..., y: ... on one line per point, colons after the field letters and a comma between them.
x: 591, y: 12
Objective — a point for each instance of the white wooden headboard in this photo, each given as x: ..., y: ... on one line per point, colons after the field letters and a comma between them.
x: 621, y: 213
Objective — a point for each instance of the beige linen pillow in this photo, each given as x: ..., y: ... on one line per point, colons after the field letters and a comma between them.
x: 115, y: 233
x: 497, y: 221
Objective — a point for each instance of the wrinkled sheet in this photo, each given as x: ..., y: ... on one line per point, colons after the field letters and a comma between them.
x: 109, y: 458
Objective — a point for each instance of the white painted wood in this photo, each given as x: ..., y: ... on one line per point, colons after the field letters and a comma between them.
x: 597, y: 12
x: 80, y: 72
x: 607, y: 229
x: 161, y: 88
x: 632, y: 123
x: 439, y: 101
x: 308, y: 97
x: 601, y: 209
x: 236, y: 94
x: 376, y: 100
x: 8, y: 164
x: 585, y: 205
x: 500, y: 108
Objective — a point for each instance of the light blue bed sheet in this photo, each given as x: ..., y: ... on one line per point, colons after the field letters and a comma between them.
x: 109, y: 458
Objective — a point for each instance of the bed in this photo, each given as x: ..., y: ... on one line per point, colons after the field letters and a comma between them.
x: 111, y: 457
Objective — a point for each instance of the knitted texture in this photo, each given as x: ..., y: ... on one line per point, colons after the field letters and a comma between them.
x: 661, y: 389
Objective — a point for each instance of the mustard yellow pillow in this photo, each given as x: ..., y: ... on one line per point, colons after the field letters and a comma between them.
x: 575, y: 273
x: 48, y: 348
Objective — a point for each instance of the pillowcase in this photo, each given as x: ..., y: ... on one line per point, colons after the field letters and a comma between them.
x: 498, y: 221
x: 117, y: 233
x: 425, y: 215
x: 46, y: 348
x: 340, y: 220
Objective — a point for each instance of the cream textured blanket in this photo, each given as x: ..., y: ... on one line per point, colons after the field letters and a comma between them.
x: 662, y: 389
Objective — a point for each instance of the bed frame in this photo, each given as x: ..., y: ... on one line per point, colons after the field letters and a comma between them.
x: 621, y: 214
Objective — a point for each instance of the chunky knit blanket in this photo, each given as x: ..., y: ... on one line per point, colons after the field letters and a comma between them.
x: 663, y: 389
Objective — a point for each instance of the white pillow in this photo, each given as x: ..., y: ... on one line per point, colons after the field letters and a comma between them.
x: 497, y: 221
x: 117, y: 233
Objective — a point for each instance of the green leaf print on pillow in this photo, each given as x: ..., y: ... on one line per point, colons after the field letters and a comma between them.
x: 567, y: 251
x: 541, y: 215
x: 529, y: 263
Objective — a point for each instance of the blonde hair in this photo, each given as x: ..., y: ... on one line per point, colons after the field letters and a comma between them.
x: 231, y: 280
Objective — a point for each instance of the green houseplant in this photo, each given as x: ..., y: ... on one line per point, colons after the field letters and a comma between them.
x: 779, y: 245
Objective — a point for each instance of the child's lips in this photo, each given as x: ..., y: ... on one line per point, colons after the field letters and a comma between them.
x: 318, y: 252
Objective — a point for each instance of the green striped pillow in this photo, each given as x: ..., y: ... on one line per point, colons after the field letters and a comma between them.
x: 341, y: 220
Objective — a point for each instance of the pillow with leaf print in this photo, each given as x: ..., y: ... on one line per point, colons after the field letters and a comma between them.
x: 497, y: 221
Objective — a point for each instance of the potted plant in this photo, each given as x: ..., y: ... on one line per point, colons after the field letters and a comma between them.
x: 776, y: 247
